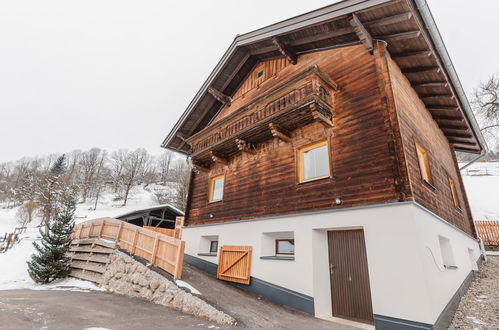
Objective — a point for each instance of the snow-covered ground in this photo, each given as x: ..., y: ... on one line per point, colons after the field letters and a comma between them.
x: 481, y: 181
x: 13, y: 267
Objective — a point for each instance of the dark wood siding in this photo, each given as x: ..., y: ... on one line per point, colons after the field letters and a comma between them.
x: 350, y: 289
x: 362, y: 161
x: 418, y: 126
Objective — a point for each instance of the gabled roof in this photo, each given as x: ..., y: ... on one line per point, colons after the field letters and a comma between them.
x: 413, y: 41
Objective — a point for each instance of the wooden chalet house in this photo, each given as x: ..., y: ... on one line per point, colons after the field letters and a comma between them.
x: 327, y: 143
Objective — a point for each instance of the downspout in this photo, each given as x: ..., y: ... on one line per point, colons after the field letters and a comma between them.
x: 439, y: 45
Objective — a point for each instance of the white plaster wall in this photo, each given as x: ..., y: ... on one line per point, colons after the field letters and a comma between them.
x: 404, y: 281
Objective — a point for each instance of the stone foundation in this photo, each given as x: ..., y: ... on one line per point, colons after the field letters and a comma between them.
x: 126, y: 276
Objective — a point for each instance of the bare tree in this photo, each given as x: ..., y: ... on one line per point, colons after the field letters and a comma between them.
x: 133, y: 170
x: 118, y: 160
x: 89, y: 163
x: 164, y: 162
x: 182, y: 178
x: 100, y: 177
x: 486, y: 105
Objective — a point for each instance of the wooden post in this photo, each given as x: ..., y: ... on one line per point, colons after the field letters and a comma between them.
x: 179, y: 224
x: 154, y: 249
x: 179, y: 260
x: 134, y: 241
x: 101, y: 227
x: 90, y: 231
x: 118, y: 235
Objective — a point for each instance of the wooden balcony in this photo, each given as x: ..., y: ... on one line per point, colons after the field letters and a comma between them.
x: 307, y: 96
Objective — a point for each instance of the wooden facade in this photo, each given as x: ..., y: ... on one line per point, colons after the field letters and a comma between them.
x: 369, y: 83
x: 377, y: 118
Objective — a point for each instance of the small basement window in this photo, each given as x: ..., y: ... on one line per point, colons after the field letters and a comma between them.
x: 208, y: 246
x: 424, y: 164
x: 313, y: 162
x: 453, y: 192
x: 217, y: 188
x: 447, y: 253
x: 213, y: 246
x: 285, y: 246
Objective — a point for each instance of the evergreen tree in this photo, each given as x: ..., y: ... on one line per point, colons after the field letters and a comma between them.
x: 51, y: 262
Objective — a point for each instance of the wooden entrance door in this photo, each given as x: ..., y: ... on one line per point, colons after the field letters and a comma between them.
x: 350, y: 291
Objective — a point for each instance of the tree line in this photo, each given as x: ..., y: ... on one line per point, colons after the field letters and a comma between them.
x: 39, y: 184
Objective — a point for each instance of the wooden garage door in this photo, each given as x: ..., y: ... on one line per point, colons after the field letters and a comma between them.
x: 234, y: 264
x: 350, y: 291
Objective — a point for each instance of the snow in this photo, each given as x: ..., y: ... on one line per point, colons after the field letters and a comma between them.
x: 481, y: 181
x: 186, y: 285
x: 14, y: 273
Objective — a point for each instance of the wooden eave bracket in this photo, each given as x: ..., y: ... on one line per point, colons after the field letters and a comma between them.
x: 285, y: 50
x: 200, y: 167
x: 244, y: 146
x: 318, y: 116
x: 218, y: 159
x: 362, y: 33
x: 278, y: 133
x: 219, y: 96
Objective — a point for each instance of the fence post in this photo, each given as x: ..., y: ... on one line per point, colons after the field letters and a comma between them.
x: 179, y: 260
x: 119, y: 232
x: 179, y: 224
x: 101, y: 228
x: 154, y: 249
x: 134, y: 240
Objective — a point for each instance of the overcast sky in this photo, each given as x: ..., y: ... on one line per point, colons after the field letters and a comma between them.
x: 118, y: 74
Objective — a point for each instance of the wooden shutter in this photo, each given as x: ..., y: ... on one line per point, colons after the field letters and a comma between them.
x: 234, y: 264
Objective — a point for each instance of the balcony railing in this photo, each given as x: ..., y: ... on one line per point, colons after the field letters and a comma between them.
x: 303, y: 98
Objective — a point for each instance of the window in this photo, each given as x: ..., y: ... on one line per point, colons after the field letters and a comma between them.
x: 424, y: 164
x: 313, y: 162
x: 213, y: 246
x: 453, y: 192
x: 259, y: 74
x: 217, y: 188
x: 285, y: 246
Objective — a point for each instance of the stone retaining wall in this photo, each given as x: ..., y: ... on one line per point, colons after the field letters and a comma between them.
x: 126, y: 276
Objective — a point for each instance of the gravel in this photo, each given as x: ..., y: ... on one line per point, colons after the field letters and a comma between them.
x: 479, y: 307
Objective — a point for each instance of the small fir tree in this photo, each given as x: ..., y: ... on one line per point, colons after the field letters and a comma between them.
x: 52, y: 262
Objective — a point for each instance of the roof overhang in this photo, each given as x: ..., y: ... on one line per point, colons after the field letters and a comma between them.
x: 413, y: 40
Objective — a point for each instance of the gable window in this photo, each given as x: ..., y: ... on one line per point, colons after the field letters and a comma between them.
x: 285, y: 246
x: 313, y: 162
x: 424, y: 164
x: 259, y: 73
x: 217, y: 188
x: 213, y: 246
x: 453, y: 192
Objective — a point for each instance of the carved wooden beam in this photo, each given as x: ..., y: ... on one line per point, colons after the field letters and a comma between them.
x: 200, y: 167
x: 422, y: 70
x: 276, y: 132
x: 400, y: 36
x: 431, y: 84
x: 219, y: 96
x: 362, y: 33
x: 423, y: 53
x: 318, y: 116
x: 218, y: 159
x: 285, y: 50
x: 244, y: 146
x: 389, y: 20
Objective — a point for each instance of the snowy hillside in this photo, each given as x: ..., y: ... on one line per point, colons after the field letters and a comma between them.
x: 14, y: 275
x: 481, y: 181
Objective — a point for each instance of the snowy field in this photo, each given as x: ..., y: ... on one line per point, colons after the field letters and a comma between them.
x: 13, y: 267
x: 481, y: 181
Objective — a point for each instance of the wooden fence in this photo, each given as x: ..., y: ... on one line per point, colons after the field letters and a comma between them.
x: 161, y: 250
x: 234, y: 264
x: 488, y: 231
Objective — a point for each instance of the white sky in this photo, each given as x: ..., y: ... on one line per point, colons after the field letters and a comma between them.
x: 118, y: 74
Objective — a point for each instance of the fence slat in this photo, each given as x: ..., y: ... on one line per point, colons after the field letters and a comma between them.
x: 137, y: 240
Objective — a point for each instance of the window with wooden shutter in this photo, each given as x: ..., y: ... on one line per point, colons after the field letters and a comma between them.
x: 453, y: 192
x: 424, y: 164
